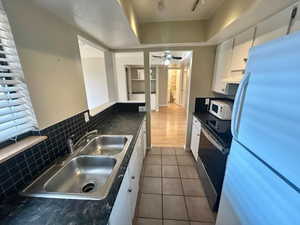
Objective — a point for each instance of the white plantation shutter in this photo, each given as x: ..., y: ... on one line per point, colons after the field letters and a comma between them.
x: 16, y: 114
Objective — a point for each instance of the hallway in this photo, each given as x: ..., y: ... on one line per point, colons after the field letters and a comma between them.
x: 168, y: 126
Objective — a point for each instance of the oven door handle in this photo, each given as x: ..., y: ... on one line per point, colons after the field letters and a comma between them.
x: 213, y: 141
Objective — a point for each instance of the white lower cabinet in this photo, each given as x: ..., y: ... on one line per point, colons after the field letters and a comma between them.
x: 124, y: 207
x: 144, y: 139
x: 121, y: 211
x: 195, y: 140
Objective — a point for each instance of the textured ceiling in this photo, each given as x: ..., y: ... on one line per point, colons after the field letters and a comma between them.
x: 174, y: 10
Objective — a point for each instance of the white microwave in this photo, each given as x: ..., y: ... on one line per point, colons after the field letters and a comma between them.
x: 221, y: 109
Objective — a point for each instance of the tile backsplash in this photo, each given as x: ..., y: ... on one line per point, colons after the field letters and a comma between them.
x: 21, y: 170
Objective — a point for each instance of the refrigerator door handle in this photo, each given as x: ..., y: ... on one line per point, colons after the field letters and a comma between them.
x: 238, y: 104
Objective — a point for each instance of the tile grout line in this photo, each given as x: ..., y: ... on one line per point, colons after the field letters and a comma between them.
x: 185, y: 204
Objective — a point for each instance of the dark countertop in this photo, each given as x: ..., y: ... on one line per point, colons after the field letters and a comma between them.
x: 42, y: 211
x: 220, y: 129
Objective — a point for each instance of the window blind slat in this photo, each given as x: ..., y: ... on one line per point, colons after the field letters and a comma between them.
x: 10, y: 103
x: 15, y: 131
x: 9, y: 82
x: 12, y: 109
x: 13, y: 120
x: 9, y: 89
x: 16, y: 114
x: 10, y: 96
x: 9, y: 75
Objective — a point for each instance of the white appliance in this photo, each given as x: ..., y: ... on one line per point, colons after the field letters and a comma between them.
x: 262, y: 181
x: 221, y: 109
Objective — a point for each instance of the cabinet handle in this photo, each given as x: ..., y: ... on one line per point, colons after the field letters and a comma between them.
x: 129, y: 190
x: 198, y: 135
x: 133, y: 177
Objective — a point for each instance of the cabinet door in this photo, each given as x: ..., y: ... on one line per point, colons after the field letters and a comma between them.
x: 196, y: 129
x: 121, y: 212
x: 135, y: 168
x: 144, y: 139
x: 133, y: 171
x: 273, y: 27
x: 242, y: 44
x: 222, y: 66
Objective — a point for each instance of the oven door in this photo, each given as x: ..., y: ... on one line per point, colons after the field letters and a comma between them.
x: 212, y: 162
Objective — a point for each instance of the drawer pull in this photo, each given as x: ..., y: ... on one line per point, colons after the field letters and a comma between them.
x: 133, y: 177
x: 129, y: 190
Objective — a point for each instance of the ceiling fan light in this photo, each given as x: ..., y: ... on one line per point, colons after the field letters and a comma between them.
x: 167, y: 62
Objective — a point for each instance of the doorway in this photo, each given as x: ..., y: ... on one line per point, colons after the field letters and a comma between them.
x: 174, y: 83
x: 169, y: 120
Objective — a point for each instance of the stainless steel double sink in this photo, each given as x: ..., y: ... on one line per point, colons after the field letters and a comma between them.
x: 86, y: 174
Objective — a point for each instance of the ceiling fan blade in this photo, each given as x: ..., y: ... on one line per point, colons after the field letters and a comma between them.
x: 157, y: 56
x: 195, y: 5
x: 176, y: 57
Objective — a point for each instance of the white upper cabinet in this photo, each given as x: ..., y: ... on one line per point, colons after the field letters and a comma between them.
x: 273, y: 27
x: 242, y: 44
x: 222, y: 66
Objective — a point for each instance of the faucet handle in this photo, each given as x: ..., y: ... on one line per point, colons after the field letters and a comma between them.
x: 72, y: 136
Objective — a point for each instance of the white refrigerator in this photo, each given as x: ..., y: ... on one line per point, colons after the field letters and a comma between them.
x: 262, y: 179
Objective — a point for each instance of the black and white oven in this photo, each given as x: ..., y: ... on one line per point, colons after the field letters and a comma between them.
x: 211, y: 166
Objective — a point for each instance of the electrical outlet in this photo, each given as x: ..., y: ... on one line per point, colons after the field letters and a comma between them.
x: 86, y: 117
x: 142, y: 108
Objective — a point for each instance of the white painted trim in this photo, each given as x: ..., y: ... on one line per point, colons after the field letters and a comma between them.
x: 131, y: 101
x: 12, y: 150
x: 80, y: 38
x: 101, y: 108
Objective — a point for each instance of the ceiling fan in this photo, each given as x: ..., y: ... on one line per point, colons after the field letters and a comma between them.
x: 167, y: 57
x: 196, y: 3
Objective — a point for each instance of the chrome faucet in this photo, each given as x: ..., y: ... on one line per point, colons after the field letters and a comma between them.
x: 87, y: 134
x: 70, y: 142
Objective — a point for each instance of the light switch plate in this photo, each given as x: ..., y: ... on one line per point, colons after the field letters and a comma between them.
x: 142, y: 108
x: 86, y: 117
x: 207, y: 101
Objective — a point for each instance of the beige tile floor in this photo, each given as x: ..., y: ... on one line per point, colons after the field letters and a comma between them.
x: 171, y: 192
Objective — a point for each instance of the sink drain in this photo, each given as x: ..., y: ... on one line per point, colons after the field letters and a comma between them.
x: 88, y: 187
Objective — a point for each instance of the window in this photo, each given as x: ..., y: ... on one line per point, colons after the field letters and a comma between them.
x: 95, y: 76
x: 16, y: 114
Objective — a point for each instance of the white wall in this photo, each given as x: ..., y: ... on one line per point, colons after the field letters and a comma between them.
x: 49, y: 54
x: 121, y: 60
x: 95, y: 82
x: 163, y: 86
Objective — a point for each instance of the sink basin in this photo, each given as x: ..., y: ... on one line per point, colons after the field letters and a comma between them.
x: 105, y: 145
x: 83, y: 174
x: 87, y: 174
